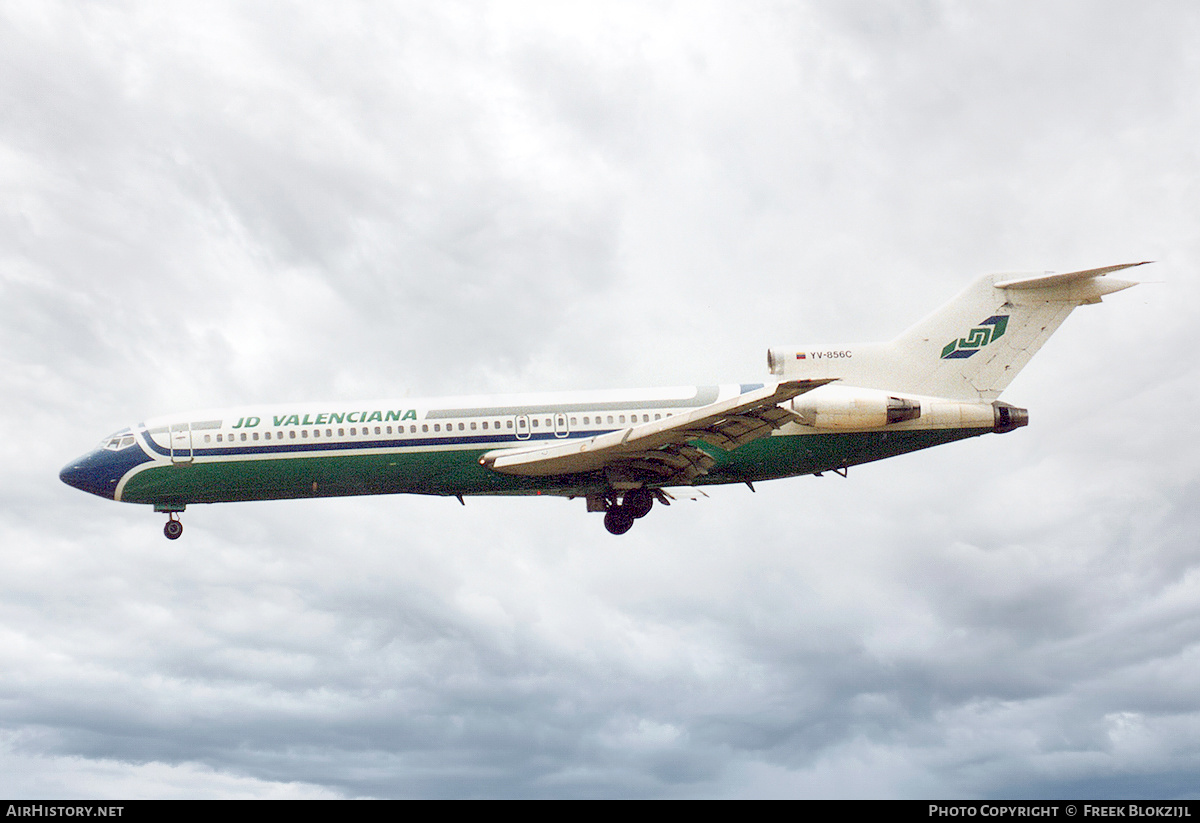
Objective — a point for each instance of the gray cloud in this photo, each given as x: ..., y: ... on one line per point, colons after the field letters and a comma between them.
x: 227, y: 204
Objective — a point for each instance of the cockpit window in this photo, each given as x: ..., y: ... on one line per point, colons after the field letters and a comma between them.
x: 113, y: 441
x: 120, y: 440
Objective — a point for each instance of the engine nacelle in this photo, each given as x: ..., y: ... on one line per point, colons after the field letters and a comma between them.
x: 1008, y: 417
x: 835, y: 407
x: 777, y: 361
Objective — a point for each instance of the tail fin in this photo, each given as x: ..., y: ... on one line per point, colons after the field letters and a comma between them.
x: 969, y: 349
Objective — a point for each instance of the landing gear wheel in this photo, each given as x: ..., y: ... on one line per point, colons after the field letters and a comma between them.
x: 617, y: 520
x: 173, y: 529
x: 638, y: 502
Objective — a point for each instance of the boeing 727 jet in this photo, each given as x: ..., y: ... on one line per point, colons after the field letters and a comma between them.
x: 824, y: 408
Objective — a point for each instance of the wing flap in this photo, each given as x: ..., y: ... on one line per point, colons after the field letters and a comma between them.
x: 661, y: 449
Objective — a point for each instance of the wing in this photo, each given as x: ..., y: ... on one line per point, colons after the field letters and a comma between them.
x: 664, y: 451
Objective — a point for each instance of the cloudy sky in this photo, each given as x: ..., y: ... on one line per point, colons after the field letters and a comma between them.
x: 215, y: 204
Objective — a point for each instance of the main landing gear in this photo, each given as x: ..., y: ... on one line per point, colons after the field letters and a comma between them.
x: 173, y: 528
x: 619, y: 517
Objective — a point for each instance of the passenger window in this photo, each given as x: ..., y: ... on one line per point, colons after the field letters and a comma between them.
x: 621, y: 419
x: 485, y: 425
x: 548, y: 423
x: 497, y: 424
x: 329, y: 432
x: 424, y: 427
x: 254, y: 436
x: 341, y: 432
x: 207, y: 438
x: 509, y: 424
x: 658, y: 417
x: 412, y: 429
x: 243, y: 437
x: 610, y: 418
x: 437, y: 427
x: 572, y: 421
x: 377, y: 430
x: 267, y: 435
x: 316, y: 432
x: 389, y: 429
x: 535, y: 423
x: 292, y: 434
x: 218, y: 438
x: 353, y: 431
x: 304, y: 433
x: 472, y: 425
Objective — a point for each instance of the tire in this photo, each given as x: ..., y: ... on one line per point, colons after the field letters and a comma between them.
x: 173, y: 529
x: 617, y: 521
x: 638, y: 502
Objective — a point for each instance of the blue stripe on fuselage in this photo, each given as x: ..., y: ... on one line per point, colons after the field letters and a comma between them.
x: 263, y: 448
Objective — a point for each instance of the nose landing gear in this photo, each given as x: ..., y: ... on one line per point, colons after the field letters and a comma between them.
x: 173, y: 528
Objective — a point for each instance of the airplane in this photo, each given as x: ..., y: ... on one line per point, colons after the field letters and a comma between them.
x: 824, y: 408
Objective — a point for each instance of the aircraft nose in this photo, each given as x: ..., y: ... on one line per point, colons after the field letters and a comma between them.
x: 91, y: 473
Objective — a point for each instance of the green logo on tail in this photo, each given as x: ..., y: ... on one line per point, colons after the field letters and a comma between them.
x: 986, y: 332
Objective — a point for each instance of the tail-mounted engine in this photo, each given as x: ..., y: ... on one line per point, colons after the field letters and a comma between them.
x: 1008, y: 417
x: 834, y: 407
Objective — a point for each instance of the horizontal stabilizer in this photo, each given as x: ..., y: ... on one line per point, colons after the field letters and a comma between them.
x: 1046, y: 280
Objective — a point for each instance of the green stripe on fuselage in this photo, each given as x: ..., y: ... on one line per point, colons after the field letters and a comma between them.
x: 457, y: 471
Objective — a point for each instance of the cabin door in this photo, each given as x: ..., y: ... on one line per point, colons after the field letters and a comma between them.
x: 181, y: 443
x: 561, y: 425
x: 523, y: 427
